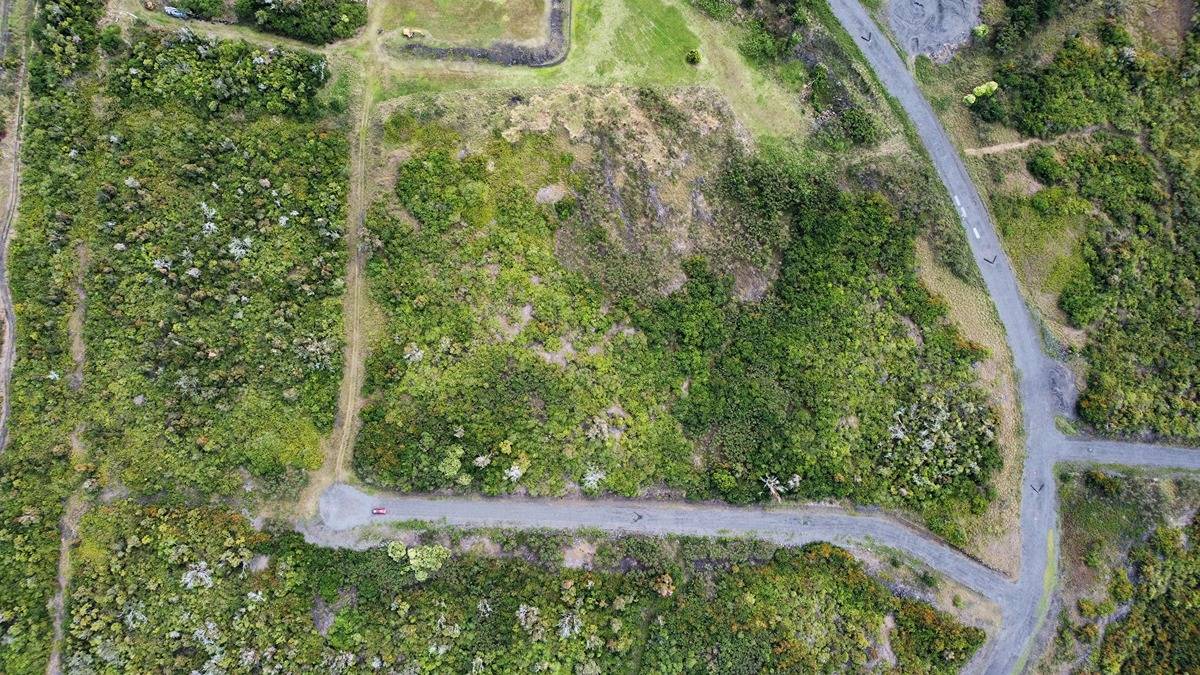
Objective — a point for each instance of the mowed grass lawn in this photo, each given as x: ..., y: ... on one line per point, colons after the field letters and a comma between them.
x: 649, y: 35
x: 468, y: 21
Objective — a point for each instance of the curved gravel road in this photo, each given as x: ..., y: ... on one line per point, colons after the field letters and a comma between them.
x: 1027, y: 605
x: 1040, y: 377
x: 343, y: 507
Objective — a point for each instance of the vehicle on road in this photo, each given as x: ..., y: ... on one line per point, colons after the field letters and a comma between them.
x: 379, y: 511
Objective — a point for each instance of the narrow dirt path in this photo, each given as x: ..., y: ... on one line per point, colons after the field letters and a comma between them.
x: 356, y: 351
x: 1001, y: 148
x: 75, y: 323
x: 77, y: 503
x: 73, y: 512
x: 339, y: 446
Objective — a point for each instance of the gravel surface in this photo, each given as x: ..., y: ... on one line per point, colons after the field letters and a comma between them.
x: 933, y: 27
x: 1129, y: 454
x: 344, y: 508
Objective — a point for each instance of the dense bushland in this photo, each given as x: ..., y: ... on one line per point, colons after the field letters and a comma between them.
x: 211, y: 263
x: 1021, y: 19
x: 214, y: 268
x: 65, y: 37
x: 219, y: 76
x: 195, y: 594
x: 1162, y: 629
x: 823, y: 386
x: 315, y: 21
x: 503, y: 369
x: 1135, y: 292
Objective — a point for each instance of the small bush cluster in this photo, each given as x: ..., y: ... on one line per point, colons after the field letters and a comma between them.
x: 315, y: 21
x: 218, y: 76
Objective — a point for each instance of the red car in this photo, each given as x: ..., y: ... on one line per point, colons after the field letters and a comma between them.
x: 379, y: 511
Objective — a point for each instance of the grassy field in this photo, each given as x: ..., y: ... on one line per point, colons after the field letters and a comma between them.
x: 631, y: 42
x: 467, y: 21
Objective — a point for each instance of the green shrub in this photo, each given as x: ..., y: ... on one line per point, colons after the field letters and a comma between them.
x: 1044, y: 165
x: 111, y: 40
x: 717, y: 9
x: 213, y: 76
x: 315, y: 21
x: 183, y: 572
x: 759, y: 46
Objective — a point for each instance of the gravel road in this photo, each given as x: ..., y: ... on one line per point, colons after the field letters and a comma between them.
x: 1026, y: 605
x: 343, y: 507
x: 1129, y: 454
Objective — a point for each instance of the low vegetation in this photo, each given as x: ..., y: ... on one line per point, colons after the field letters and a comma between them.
x: 215, y: 271
x: 200, y: 588
x: 571, y: 346
x: 36, y: 467
x: 1130, y: 569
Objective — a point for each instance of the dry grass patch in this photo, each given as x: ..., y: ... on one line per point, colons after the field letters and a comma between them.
x: 994, y: 535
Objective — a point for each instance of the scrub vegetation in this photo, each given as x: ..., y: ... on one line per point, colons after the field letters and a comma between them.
x: 315, y: 21
x: 1131, y: 570
x: 678, y: 312
x: 1102, y: 212
x: 211, y: 264
x: 591, y: 288
x: 214, y: 268
x: 201, y: 589
x: 36, y: 473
